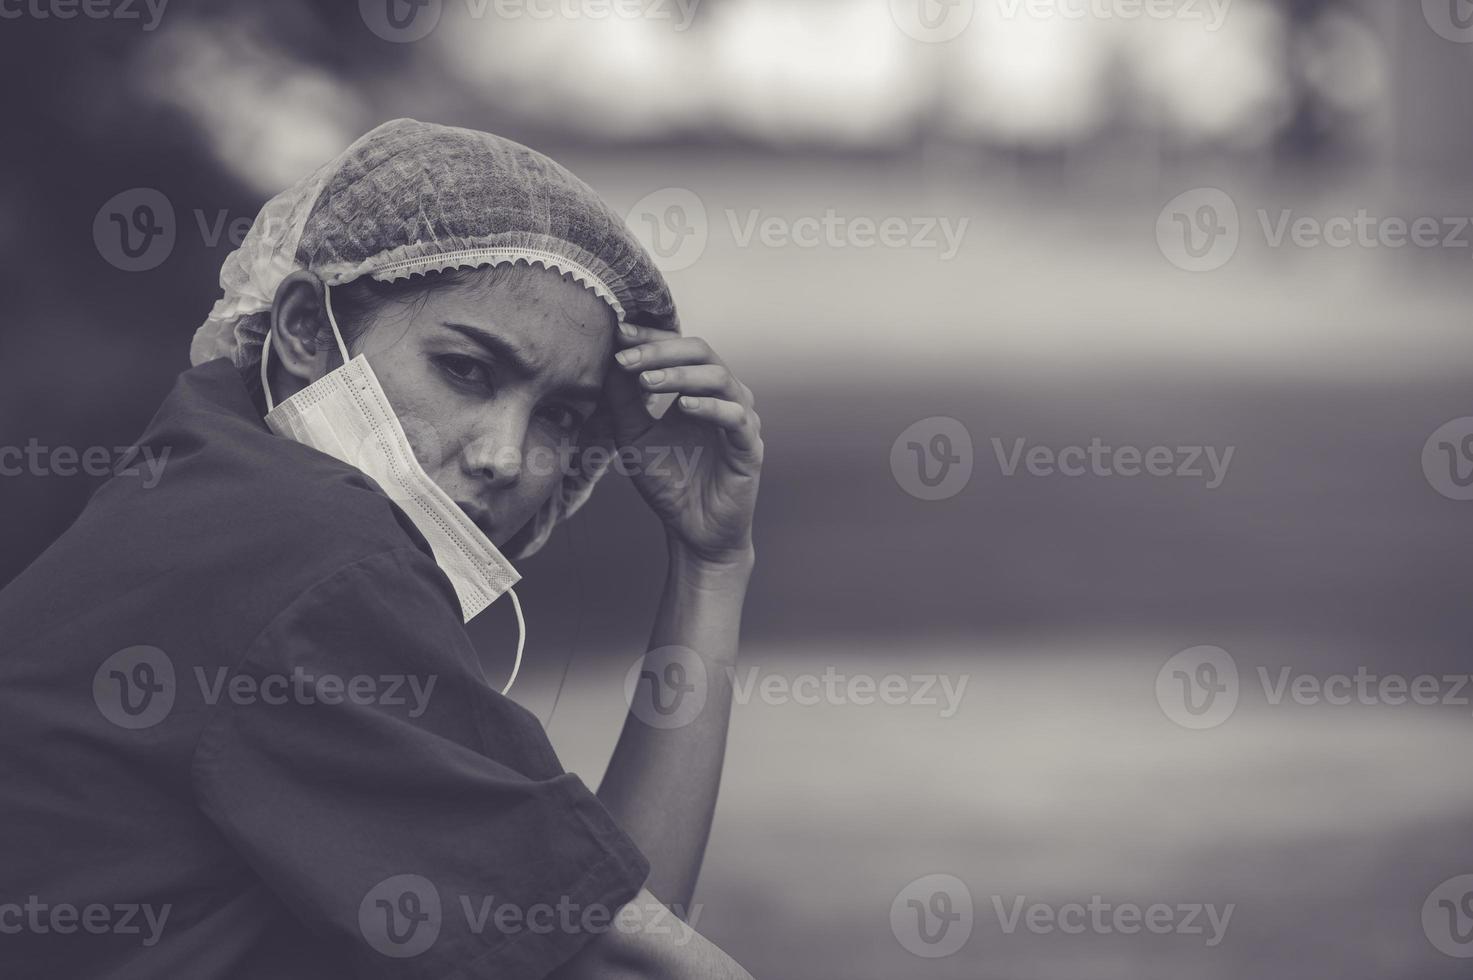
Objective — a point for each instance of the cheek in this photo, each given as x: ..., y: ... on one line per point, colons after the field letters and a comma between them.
x: 425, y: 412
x: 543, y: 470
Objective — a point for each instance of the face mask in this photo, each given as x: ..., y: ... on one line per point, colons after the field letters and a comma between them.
x: 346, y: 415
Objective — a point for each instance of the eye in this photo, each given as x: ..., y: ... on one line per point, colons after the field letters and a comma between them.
x: 563, y: 418
x: 466, y: 371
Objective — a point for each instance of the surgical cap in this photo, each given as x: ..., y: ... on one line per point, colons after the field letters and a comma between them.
x: 410, y: 198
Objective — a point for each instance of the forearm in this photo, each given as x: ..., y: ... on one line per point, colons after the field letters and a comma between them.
x: 661, y: 784
x: 660, y: 952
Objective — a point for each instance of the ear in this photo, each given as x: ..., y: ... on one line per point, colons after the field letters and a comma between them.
x: 298, y: 322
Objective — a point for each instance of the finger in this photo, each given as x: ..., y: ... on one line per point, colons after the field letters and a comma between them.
x: 695, y: 379
x: 667, y: 353
x: 732, y: 418
x: 629, y: 334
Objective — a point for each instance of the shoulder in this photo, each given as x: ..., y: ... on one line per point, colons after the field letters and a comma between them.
x: 244, y: 508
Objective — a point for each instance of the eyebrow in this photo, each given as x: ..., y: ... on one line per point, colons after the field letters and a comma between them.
x: 514, y: 360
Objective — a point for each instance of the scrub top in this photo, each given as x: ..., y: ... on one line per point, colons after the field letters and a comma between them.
x: 243, y: 733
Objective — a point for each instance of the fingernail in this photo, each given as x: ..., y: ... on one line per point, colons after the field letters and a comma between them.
x: 627, y: 330
x: 686, y: 401
x: 627, y: 357
x: 652, y: 377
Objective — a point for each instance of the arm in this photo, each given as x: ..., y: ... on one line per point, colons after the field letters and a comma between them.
x: 668, y: 951
x: 662, y: 781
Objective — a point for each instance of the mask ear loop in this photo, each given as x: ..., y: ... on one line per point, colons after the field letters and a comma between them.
x: 521, y: 639
x: 332, y: 321
x: 266, y: 346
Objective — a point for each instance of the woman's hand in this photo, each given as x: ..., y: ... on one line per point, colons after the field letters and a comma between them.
x: 704, y: 487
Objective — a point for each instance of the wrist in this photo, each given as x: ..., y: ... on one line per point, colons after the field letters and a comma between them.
x: 723, y: 570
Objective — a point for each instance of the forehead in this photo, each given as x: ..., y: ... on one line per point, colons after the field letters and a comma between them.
x: 563, y: 327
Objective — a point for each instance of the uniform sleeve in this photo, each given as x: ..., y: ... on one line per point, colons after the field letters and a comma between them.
x: 402, y: 809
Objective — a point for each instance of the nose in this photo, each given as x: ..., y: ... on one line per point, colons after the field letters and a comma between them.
x: 493, y: 458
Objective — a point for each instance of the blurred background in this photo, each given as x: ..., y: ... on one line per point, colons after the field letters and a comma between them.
x: 1085, y: 201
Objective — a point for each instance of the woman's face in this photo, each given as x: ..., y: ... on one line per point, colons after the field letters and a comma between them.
x: 492, y: 379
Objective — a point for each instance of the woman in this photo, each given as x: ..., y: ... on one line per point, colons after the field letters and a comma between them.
x: 243, y: 713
